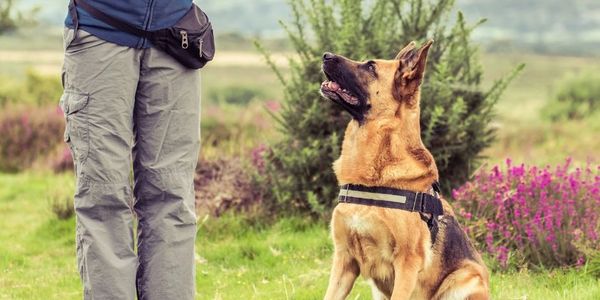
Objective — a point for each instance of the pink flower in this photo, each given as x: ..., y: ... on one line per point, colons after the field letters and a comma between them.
x: 532, y: 212
x: 257, y: 157
x: 273, y: 105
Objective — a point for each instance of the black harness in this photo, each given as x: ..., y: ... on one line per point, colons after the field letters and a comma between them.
x: 429, y: 206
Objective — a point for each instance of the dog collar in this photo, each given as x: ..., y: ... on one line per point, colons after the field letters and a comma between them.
x: 393, y: 198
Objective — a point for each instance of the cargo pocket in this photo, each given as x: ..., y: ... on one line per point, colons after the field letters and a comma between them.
x: 77, y: 128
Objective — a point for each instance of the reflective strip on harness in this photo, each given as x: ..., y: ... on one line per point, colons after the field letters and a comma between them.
x: 429, y: 206
x: 373, y: 196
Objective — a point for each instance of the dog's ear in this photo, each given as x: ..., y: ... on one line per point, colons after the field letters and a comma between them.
x: 405, y: 51
x: 410, y: 69
x: 413, y: 61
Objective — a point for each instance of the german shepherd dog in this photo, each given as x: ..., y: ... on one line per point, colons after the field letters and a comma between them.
x: 393, y: 248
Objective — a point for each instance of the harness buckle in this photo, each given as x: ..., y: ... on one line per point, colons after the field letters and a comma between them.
x: 346, y: 194
x: 415, y: 201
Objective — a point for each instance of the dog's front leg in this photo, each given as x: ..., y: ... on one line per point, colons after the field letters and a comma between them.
x: 343, y: 274
x: 405, y: 280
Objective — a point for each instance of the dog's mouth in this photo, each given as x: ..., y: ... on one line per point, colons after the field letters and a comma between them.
x: 334, y: 91
x: 342, y: 86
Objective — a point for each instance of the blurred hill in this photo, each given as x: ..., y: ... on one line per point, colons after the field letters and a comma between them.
x: 551, y: 24
x: 537, y: 19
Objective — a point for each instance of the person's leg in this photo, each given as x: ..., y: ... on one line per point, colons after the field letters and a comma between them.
x: 100, y: 80
x: 165, y: 154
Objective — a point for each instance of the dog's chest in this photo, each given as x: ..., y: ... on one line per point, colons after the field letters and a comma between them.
x: 375, y: 237
x: 369, y: 239
x: 359, y: 224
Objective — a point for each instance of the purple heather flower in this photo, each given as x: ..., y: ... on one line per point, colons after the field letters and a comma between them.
x: 532, y: 211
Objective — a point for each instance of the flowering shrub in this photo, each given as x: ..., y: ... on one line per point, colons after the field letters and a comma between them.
x: 532, y: 216
x: 257, y: 157
x: 28, y: 134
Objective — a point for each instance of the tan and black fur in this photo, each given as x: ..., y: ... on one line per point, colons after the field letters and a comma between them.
x: 382, y: 147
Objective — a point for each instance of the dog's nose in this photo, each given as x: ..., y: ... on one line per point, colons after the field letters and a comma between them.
x: 328, y: 56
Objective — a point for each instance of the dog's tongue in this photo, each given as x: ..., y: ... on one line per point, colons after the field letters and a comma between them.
x: 333, y: 86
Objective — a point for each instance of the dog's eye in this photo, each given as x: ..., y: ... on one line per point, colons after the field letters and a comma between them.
x: 371, y: 67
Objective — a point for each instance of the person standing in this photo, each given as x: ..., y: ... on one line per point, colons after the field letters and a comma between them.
x: 127, y: 104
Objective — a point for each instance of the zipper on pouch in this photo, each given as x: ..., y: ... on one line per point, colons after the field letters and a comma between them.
x: 200, y: 45
x: 184, y: 39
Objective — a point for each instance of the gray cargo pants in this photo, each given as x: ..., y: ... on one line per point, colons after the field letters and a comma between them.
x: 125, y: 107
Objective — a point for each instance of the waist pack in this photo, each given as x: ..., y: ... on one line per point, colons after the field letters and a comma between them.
x: 191, y: 41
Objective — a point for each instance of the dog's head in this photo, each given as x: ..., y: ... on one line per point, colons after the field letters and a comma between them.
x: 375, y: 88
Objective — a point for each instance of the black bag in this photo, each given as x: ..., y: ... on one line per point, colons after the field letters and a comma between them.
x: 190, y: 41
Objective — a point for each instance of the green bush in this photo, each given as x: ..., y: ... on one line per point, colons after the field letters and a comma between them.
x: 62, y: 206
x: 60, y: 200
x: 455, y: 110
x: 577, y: 97
x: 28, y: 134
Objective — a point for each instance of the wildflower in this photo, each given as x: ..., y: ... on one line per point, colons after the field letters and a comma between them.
x: 535, y: 214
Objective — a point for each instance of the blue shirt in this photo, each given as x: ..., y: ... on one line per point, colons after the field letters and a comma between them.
x: 144, y: 14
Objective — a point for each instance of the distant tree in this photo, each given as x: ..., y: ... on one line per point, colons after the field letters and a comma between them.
x: 455, y: 113
x: 10, y: 19
x: 7, y: 20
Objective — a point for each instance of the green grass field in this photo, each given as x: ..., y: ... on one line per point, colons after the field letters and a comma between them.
x: 237, y: 258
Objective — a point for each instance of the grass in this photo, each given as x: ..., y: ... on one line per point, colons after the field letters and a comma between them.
x: 36, y: 249
x: 36, y: 38
x: 523, y: 134
x: 543, y: 142
x: 237, y: 258
x: 256, y: 76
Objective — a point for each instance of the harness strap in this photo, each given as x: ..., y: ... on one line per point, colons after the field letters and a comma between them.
x: 74, y: 17
x: 432, y: 224
x: 436, y: 187
x: 391, y: 198
x: 428, y: 206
